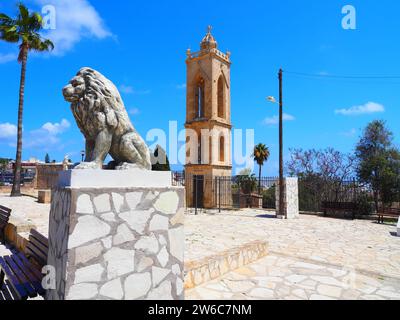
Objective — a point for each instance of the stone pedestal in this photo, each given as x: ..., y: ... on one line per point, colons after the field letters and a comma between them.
x: 115, y: 242
x: 290, y: 199
x: 44, y: 196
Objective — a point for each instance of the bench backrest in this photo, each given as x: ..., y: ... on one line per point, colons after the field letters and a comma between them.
x: 37, y: 247
x: 4, y: 215
x: 393, y: 211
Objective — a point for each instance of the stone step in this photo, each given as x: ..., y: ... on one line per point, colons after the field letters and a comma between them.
x: 211, y: 267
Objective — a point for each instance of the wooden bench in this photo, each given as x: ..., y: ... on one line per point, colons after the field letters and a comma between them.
x: 4, y: 217
x: 346, y: 207
x: 389, y: 213
x: 24, y: 272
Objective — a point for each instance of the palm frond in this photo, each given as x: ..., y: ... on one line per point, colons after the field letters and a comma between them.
x: 24, y: 29
x: 10, y: 36
x: 24, y: 13
x: 5, y: 19
x: 35, y: 22
x: 261, y: 153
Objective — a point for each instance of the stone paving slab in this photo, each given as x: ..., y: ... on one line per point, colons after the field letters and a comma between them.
x: 27, y: 212
x: 360, y: 244
x: 287, y: 278
x: 309, y: 258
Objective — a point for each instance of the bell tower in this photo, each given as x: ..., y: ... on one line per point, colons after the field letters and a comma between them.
x: 208, y: 119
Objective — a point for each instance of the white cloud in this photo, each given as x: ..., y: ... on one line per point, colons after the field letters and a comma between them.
x: 8, y: 130
x: 47, y: 136
x: 75, y: 19
x: 126, y: 89
x: 56, y: 128
x: 181, y: 86
x: 275, y: 119
x: 7, y: 57
x: 130, y: 90
x: 134, y: 111
x: 368, y: 108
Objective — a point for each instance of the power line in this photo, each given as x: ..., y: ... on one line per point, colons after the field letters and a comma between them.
x: 319, y: 75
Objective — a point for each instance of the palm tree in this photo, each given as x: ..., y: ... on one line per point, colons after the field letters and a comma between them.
x: 260, y: 155
x: 23, y: 30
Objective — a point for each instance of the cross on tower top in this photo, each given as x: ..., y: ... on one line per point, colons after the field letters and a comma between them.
x: 209, y: 28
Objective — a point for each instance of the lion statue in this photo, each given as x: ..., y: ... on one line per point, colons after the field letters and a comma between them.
x: 102, y: 118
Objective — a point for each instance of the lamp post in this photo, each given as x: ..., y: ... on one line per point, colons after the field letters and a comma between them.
x: 273, y: 100
x: 82, y: 154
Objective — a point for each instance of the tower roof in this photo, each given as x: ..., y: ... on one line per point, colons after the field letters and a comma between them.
x: 208, y: 41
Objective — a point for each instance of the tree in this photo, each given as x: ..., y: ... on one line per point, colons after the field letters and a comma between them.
x: 329, y: 164
x: 323, y: 175
x: 4, y: 163
x: 160, y: 160
x: 260, y: 155
x: 246, y: 181
x: 378, y: 162
x: 47, y: 158
x: 23, y: 30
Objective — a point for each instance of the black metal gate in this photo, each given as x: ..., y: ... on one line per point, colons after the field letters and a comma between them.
x: 198, y: 191
x: 226, y: 192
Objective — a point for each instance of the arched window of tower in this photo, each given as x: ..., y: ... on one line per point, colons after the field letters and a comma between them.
x: 222, y: 149
x: 199, y: 99
x: 221, y: 97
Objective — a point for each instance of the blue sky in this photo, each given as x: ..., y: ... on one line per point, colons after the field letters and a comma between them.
x: 141, y: 47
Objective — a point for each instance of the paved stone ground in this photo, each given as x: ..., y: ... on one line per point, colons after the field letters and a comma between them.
x: 310, y: 258
x: 26, y: 211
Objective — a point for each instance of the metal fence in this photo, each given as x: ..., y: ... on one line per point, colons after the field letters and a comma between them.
x: 204, y: 191
x: 244, y: 191
x: 7, y: 177
x: 313, y: 191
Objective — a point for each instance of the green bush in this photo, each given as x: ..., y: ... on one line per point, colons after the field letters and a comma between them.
x: 365, y: 204
x: 247, y: 183
x: 269, y: 199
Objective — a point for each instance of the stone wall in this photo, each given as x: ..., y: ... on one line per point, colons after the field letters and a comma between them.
x: 47, y: 175
x: 117, y: 243
x: 290, y: 198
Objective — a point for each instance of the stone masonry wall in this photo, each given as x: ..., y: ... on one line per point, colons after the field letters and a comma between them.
x: 290, y: 198
x: 117, y: 243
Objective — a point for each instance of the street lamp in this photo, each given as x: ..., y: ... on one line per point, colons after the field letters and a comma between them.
x: 273, y: 100
x: 82, y: 154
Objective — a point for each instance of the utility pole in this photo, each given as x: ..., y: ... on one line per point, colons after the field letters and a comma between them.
x: 281, y: 186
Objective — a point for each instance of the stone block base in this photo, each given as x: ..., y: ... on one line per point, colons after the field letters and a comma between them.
x: 12, y: 236
x: 290, y: 199
x: 117, y: 243
x: 44, y: 196
x: 212, y: 267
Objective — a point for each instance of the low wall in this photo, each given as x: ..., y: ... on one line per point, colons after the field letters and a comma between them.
x: 212, y: 267
x: 47, y: 175
x: 117, y: 243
